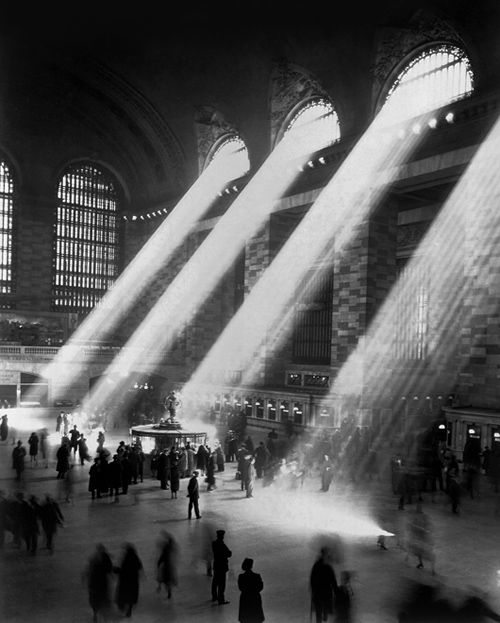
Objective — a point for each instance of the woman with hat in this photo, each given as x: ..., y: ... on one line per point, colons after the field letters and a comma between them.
x: 250, y: 585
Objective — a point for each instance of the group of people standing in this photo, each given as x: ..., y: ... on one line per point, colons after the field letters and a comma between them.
x: 100, y: 572
x: 170, y: 465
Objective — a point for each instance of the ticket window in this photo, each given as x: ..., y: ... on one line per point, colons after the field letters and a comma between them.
x: 259, y: 408
x: 473, y: 432
x: 297, y: 413
x: 495, y: 438
x: 285, y: 410
x: 248, y: 406
x: 445, y: 433
x: 271, y: 409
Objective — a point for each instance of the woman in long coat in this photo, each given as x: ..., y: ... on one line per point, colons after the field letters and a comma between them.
x: 250, y: 585
x: 98, y: 574
x: 174, y: 474
x: 33, y: 442
x: 167, y: 563
x: 127, y: 589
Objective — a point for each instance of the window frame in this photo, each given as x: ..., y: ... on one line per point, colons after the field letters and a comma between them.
x: 100, y: 254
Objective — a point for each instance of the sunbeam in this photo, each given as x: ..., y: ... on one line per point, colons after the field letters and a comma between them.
x: 154, y: 255
x: 329, y: 225
x: 456, y: 280
x: 190, y: 288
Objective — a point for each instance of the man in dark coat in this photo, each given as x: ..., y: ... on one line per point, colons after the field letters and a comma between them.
x: 323, y: 584
x: 30, y: 512
x: 202, y: 459
x: 262, y: 457
x: 221, y: 554
x: 18, y: 455
x: 83, y: 450
x: 193, y: 494
x: 250, y: 585
x: 62, y: 456
x: 115, y: 477
x: 163, y: 468
x: 51, y: 517
x: 74, y: 436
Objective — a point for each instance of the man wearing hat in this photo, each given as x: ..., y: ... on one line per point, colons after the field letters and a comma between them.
x: 193, y: 495
x: 220, y: 567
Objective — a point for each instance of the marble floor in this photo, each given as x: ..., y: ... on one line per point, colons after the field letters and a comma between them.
x: 281, y: 530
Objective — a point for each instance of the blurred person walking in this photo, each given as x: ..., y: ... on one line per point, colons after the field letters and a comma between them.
x: 51, y: 517
x: 129, y: 571
x: 166, y: 564
x: 98, y: 577
x: 44, y: 433
x: 62, y: 456
x: 420, y: 541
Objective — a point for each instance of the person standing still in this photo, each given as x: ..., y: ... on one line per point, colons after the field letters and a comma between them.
x: 323, y: 584
x: 250, y: 584
x: 221, y: 554
x: 18, y: 455
x: 193, y: 495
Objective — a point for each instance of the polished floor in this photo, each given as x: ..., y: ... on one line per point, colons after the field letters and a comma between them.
x: 280, y: 529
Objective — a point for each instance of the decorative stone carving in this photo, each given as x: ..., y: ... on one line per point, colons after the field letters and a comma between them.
x: 411, y: 235
x: 210, y: 126
x: 290, y: 85
x: 394, y: 44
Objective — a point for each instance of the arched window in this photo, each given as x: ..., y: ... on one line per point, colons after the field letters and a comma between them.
x: 86, y: 238
x: 314, y: 126
x: 232, y: 154
x: 434, y: 78
x: 6, y: 230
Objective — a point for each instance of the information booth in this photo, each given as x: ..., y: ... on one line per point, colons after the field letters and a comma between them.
x: 165, y: 435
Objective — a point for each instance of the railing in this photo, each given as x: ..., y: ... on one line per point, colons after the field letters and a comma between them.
x: 43, y: 351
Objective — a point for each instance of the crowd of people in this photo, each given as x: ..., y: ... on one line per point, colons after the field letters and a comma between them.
x: 23, y: 515
x: 344, y: 456
x: 101, y: 576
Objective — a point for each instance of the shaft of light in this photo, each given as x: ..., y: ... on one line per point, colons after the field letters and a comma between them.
x: 331, y: 221
x: 201, y: 274
x: 459, y: 278
x: 140, y: 272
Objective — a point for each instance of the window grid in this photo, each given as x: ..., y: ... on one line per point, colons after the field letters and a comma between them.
x: 86, y: 245
x: 432, y: 79
x: 315, y: 126
x: 6, y: 230
x: 412, y: 329
x: 313, y: 323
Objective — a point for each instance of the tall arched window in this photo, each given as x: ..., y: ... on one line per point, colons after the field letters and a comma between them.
x: 86, y: 238
x: 231, y: 153
x: 314, y: 126
x: 6, y: 230
x: 433, y: 78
